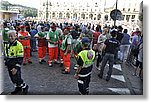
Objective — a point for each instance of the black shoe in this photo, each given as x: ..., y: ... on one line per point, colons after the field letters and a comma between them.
x: 100, y: 76
x: 40, y: 62
x: 65, y: 72
x: 62, y: 69
x: 107, y: 78
x: 115, y: 62
x: 43, y: 60
x: 16, y: 91
x: 25, y: 90
x: 61, y: 64
x: 24, y: 64
x: 30, y: 62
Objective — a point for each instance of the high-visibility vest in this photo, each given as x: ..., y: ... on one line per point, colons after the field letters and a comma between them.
x: 84, y: 56
x: 25, y: 42
x: 64, y: 43
x: 86, y: 69
x: 15, y: 50
x: 41, y: 42
x: 53, y: 36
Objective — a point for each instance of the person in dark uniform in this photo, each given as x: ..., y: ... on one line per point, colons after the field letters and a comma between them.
x: 85, y: 64
x: 14, y: 58
x: 109, y: 48
x: 119, y: 38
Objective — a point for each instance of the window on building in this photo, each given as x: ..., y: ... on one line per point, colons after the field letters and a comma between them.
x: 96, y: 4
x: 123, y: 9
x: 123, y: 16
x: 106, y: 17
x: 83, y: 16
x: 60, y: 15
x: 91, y: 16
x: 129, y: 9
x: 88, y: 5
x: 127, y: 18
x: 133, y: 17
x: 98, y: 16
x: 53, y: 15
x: 43, y: 4
x: 68, y: 15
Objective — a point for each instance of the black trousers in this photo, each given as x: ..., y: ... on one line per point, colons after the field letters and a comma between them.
x: 16, y: 79
x: 83, y: 84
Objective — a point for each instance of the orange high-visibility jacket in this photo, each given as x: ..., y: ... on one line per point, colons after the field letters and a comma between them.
x: 24, y: 42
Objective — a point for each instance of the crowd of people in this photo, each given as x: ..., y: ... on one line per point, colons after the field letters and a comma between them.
x: 86, y: 43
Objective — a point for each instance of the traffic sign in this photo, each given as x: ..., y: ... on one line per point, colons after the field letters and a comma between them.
x: 118, y: 14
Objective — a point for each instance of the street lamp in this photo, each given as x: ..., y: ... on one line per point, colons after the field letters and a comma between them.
x: 115, y: 13
x: 47, y: 4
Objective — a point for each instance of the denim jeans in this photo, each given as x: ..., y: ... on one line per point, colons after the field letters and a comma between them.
x: 110, y: 58
x: 124, y: 49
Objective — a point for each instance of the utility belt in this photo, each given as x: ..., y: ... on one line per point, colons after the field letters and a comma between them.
x: 11, y: 63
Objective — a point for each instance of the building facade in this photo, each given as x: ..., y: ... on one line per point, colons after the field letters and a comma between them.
x: 8, y: 15
x: 95, y: 10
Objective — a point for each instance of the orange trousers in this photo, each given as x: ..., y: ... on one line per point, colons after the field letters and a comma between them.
x: 41, y: 52
x: 26, y: 55
x: 66, y: 59
x: 53, y: 54
x: 61, y: 55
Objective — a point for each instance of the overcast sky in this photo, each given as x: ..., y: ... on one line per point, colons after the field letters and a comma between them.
x: 29, y: 3
x: 36, y: 3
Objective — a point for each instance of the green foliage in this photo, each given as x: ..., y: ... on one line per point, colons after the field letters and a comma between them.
x: 29, y: 12
x: 25, y: 11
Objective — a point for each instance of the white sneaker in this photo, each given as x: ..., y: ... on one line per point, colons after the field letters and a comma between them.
x: 50, y: 65
x: 75, y: 67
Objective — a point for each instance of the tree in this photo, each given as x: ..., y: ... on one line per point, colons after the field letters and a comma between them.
x: 5, y: 5
x: 29, y: 12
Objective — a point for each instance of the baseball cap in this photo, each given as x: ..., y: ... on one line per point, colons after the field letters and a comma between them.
x: 85, y: 40
x: 22, y: 26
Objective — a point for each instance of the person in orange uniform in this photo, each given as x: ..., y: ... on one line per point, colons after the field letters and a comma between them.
x: 61, y: 38
x: 66, y: 48
x: 52, y: 38
x: 41, y: 45
x: 24, y: 38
